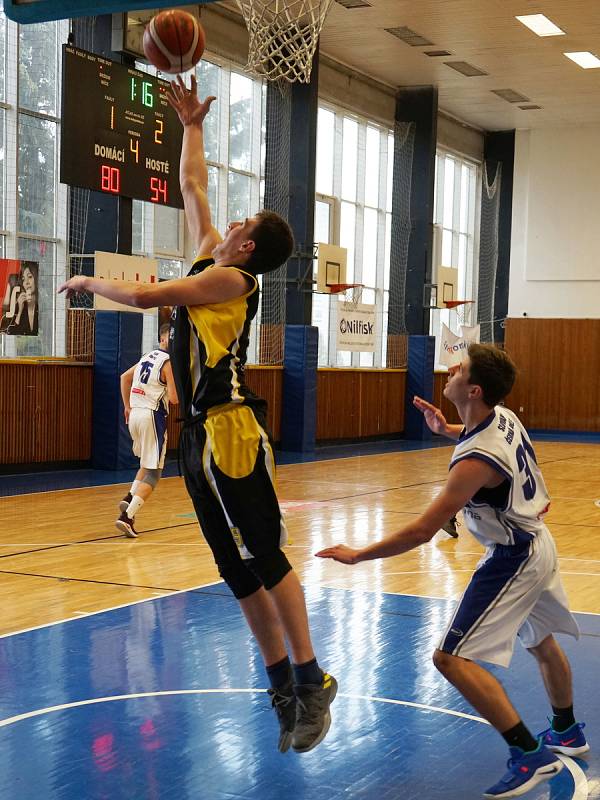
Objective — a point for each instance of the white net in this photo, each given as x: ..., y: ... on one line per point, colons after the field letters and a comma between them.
x: 488, y: 250
x: 277, y: 190
x: 80, y: 316
x: 283, y: 36
x: 404, y: 145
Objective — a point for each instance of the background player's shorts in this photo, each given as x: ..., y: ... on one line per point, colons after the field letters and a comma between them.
x: 148, y: 430
x: 515, y: 591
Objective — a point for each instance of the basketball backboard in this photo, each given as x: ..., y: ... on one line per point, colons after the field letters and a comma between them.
x: 26, y: 11
x: 331, y: 268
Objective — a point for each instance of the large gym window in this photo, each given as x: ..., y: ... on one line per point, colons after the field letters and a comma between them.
x: 33, y: 204
x: 353, y: 209
x: 233, y: 134
x: 455, y: 215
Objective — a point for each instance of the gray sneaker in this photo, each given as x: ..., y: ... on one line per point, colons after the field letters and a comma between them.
x: 451, y: 527
x: 312, y: 712
x: 283, y: 700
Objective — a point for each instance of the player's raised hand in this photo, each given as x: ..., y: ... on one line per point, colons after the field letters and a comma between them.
x: 190, y: 109
x: 434, y: 418
x: 341, y: 553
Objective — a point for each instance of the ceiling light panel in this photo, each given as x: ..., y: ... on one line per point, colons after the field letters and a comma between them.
x: 540, y: 25
x: 584, y: 59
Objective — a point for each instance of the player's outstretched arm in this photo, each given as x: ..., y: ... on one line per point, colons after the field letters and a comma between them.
x: 216, y: 285
x: 193, y: 172
x: 435, y: 420
x: 465, y: 479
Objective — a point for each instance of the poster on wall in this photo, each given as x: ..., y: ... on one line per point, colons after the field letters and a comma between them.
x: 19, y: 313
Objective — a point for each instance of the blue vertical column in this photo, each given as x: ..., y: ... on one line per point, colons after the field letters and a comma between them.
x: 299, y: 418
x: 419, y: 381
x: 299, y: 401
x: 118, y: 347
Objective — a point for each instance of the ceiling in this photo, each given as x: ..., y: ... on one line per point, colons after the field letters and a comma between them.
x: 486, y: 34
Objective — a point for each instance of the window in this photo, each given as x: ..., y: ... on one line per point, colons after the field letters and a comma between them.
x: 33, y: 204
x: 353, y: 209
x: 455, y: 212
x: 234, y: 146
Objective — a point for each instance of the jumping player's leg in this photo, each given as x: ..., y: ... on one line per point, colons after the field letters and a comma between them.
x: 231, y: 485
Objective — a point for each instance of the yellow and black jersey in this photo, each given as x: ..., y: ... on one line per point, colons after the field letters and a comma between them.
x: 209, y: 346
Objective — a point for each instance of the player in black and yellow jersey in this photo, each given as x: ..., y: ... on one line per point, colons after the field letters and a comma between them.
x: 226, y: 454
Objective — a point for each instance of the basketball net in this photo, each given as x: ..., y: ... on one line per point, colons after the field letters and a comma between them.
x: 283, y: 36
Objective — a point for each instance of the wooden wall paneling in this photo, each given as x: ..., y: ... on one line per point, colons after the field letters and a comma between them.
x: 45, y: 412
x: 382, y: 402
x: 338, y: 404
x: 353, y: 403
x: 558, y: 362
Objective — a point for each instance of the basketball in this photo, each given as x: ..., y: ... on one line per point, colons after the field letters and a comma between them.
x: 174, y: 41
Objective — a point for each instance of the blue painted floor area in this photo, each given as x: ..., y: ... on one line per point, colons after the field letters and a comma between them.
x: 222, y: 745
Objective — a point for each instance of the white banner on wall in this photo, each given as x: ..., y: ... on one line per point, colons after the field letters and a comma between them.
x: 453, y: 348
x: 356, y: 327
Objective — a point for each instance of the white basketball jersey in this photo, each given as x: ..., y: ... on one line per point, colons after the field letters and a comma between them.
x: 497, y: 516
x: 147, y: 389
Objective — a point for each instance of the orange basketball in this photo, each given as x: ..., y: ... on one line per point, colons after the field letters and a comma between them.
x: 174, y: 41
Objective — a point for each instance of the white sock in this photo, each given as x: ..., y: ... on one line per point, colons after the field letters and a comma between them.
x: 134, y: 506
x: 134, y: 487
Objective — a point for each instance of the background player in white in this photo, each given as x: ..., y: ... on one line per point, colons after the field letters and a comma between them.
x: 147, y: 388
x: 516, y: 589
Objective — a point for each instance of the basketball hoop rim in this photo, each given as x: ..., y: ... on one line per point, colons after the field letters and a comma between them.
x: 338, y: 288
x: 454, y: 303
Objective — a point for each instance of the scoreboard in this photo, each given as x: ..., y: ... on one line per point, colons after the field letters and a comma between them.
x: 118, y: 134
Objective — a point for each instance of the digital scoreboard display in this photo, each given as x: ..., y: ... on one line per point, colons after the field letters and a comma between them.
x: 119, y: 134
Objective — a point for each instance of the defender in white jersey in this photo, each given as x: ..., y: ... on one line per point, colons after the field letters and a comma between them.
x: 147, y: 388
x: 516, y: 589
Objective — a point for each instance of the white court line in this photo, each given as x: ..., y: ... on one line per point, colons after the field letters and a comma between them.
x: 581, y: 791
x: 77, y: 704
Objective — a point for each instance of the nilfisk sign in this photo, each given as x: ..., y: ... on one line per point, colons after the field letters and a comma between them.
x: 356, y: 327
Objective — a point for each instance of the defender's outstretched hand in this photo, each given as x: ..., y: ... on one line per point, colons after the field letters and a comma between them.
x: 341, y: 553
x: 434, y: 418
x: 190, y: 110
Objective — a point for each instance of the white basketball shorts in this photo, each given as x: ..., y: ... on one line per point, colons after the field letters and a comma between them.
x: 148, y: 430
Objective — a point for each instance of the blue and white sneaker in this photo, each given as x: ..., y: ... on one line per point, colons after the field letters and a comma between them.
x: 571, y: 742
x: 526, y: 770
